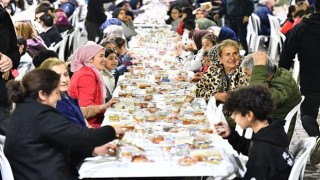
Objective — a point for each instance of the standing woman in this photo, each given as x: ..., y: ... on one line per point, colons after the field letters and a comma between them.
x: 40, y: 140
x: 87, y: 84
x: 95, y: 18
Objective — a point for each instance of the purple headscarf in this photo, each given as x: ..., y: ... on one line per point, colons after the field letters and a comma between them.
x: 83, y: 56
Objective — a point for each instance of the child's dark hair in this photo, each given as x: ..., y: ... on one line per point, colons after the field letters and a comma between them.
x: 256, y: 99
x: 22, y: 41
x: 42, y: 56
x: 108, y: 52
x: 34, y: 81
x: 119, y: 41
x: 169, y: 20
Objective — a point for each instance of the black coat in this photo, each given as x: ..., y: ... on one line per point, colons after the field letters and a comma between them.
x: 41, y: 141
x: 8, y: 46
x: 304, y: 39
x: 51, y: 36
x: 268, y: 153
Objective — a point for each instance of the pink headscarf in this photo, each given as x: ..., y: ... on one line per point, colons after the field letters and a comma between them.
x: 82, y: 57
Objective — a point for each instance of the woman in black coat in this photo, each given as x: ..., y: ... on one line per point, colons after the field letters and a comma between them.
x: 40, y: 141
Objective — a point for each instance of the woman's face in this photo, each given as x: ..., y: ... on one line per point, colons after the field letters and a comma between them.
x: 99, y: 60
x: 175, y: 14
x: 122, y: 15
x: 206, y: 45
x: 200, y: 15
x: 111, y: 61
x: 230, y: 57
x: 52, y: 98
x: 64, y: 76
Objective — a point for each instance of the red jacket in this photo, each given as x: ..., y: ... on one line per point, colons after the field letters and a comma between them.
x: 180, y: 29
x: 84, y: 86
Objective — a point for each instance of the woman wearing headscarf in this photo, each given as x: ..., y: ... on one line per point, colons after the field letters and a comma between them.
x: 87, y: 84
x: 223, y: 77
x: 107, y: 23
x: 204, y: 23
x: 194, y: 63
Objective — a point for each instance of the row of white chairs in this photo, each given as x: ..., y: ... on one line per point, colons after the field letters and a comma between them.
x: 276, y: 38
x: 70, y: 39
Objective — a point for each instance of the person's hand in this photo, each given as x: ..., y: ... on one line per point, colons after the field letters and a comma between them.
x: 219, y: 2
x: 222, y: 129
x: 112, y: 101
x: 245, y: 19
x: 260, y: 58
x: 108, y: 148
x: 221, y: 96
x: 5, y: 75
x: 5, y: 63
x: 216, y: 17
x: 119, y: 132
x: 197, y: 77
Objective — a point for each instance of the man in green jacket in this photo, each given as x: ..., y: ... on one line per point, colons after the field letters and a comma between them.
x: 284, y: 90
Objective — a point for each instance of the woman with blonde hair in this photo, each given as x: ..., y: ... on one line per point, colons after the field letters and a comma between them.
x: 34, y: 42
x: 224, y: 76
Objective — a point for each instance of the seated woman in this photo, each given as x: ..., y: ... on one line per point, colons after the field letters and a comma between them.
x: 267, y: 150
x: 224, y: 76
x: 87, y: 84
x: 40, y: 140
x: 174, y: 19
x: 204, y: 41
x: 34, y: 42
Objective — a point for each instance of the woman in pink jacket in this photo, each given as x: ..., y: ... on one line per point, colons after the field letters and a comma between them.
x: 87, y: 84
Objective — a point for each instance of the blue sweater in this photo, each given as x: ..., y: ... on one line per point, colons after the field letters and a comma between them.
x: 70, y: 108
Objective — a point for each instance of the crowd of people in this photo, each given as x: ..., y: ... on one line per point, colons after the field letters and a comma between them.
x: 59, y: 106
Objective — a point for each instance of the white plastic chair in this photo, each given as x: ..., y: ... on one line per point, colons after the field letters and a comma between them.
x: 304, y: 148
x: 63, y: 47
x: 73, y: 40
x: 5, y: 167
x: 296, y: 69
x: 275, y: 43
x: 55, y: 46
x: 255, y: 37
x: 290, y: 115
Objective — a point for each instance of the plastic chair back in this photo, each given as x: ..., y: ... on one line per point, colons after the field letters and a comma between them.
x: 304, y: 148
x: 290, y: 115
x: 5, y: 167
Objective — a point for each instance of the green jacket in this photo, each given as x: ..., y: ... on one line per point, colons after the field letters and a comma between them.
x: 283, y: 88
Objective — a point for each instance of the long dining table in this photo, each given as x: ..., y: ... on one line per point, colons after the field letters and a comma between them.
x: 168, y: 132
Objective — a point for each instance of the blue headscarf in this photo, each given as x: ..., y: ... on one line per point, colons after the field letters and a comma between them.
x: 108, y: 22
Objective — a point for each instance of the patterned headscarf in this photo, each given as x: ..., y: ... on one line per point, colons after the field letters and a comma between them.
x: 83, y: 56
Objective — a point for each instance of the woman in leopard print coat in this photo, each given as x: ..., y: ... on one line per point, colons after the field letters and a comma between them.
x: 224, y: 75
